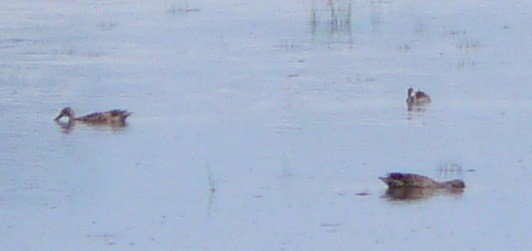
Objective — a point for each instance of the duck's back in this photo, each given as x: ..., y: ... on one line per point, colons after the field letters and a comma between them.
x: 112, y: 116
x: 409, y: 180
x: 421, y: 98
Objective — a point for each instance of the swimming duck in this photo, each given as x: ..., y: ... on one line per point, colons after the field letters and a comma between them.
x: 409, y: 180
x: 417, y: 98
x: 112, y: 117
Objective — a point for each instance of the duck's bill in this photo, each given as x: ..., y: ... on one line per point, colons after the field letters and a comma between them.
x: 385, y: 179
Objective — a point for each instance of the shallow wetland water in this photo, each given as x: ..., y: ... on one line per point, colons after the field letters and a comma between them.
x: 264, y: 126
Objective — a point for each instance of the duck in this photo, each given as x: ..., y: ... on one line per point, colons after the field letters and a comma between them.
x: 410, y: 180
x: 112, y: 117
x: 417, y: 98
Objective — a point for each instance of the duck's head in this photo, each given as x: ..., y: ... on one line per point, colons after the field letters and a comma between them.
x: 410, y: 92
x: 67, y: 111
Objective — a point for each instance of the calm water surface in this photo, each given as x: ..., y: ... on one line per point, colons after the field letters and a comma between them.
x: 264, y: 126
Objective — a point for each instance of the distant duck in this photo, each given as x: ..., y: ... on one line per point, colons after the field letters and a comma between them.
x: 409, y: 180
x: 416, y: 98
x: 112, y: 117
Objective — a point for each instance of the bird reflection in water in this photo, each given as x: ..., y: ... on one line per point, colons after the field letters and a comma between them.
x: 414, y: 194
x: 68, y: 127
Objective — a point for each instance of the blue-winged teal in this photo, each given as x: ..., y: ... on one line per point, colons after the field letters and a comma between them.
x: 417, y: 98
x: 112, y: 117
x: 409, y: 180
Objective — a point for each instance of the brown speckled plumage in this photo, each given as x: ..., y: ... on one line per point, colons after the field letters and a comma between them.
x: 409, y: 180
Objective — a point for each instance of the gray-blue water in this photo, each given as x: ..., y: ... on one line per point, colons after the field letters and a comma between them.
x: 264, y: 126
